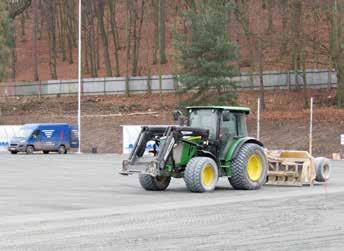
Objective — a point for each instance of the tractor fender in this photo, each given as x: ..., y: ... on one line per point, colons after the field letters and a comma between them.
x: 234, y: 149
x: 203, y: 153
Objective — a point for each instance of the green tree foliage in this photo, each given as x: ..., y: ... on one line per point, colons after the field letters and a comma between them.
x: 5, y: 39
x: 206, y: 54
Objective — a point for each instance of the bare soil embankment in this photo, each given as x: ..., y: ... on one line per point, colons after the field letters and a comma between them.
x: 284, y: 122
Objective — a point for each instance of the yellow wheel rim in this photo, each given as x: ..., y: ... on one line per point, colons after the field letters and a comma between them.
x: 208, y: 175
x: 254, y: 167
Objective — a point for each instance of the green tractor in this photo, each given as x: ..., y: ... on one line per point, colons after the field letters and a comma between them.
x: 213, y: 144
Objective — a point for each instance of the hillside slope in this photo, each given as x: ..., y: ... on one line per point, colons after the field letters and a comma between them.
x: 284, y: 123
x: 257, y: 16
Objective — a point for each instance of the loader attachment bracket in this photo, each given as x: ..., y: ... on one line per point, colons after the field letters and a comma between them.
x: 166, y: 137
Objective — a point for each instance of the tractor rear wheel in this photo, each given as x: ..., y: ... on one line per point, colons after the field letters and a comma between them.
x: 158, y: 183
x: 201, y: 174
x: 249, y: 168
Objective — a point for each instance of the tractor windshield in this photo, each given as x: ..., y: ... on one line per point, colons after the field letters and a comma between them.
x: 204, y: 118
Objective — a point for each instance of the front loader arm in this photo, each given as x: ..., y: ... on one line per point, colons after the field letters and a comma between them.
x: 167, y: 136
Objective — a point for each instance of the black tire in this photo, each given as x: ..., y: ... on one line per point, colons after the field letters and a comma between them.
x: 242, y: 177
x: 201, y: 174
x: 322, y: 169
x: 46, y: 152
x: 14, y: 152
x: 62, y: 149
x: 29, y: 150
x: 151, y: 183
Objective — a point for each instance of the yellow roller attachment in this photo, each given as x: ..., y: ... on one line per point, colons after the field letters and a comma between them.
x: 208, y: 175
x: 254, y: 167
x: 290, y: 168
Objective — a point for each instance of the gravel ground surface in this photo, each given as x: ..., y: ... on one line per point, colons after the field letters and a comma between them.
x: 81, y: 202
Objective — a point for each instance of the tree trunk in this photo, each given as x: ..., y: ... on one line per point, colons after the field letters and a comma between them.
x: 34, y: 41
x: 162, y: 32
x: 261, y: 73
x: 270, y: 6
x: 100, y: 15
x: 22, y: 22
x: 297, y: 31
x: 242, y: 18
x: 51, y: 17
x: 340, y: 85
x: 127, y: 47
x: 70, y: 33
x: 134, y: 10
x: 13, y: 52
x: 284, y: 42
x: 156, y: 31
x: 304, y: 79
x: 137, y: 35
x: 62, y: 29
x: 114, y: 32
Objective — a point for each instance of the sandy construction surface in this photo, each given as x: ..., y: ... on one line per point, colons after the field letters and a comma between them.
x: 80, y: 202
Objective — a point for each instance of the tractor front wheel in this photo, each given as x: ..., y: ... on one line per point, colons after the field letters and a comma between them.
x: 151, y: 183
x: 201, y: 174
x: 249, y: 168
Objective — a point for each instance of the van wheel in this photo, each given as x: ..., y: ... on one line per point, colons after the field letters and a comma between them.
x: 46, y: 152
x: 62, y: 150
x: 29, y: 150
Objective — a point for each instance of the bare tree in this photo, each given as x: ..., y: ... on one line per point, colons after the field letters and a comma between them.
x: 162, y: 31
x: 51, y: 26
x: 15, y: 9
x: 100, y: 15
x: 34, y: 41
x: 115, y: 35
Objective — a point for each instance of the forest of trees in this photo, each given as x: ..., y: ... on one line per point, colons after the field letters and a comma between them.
x: 135, y: 37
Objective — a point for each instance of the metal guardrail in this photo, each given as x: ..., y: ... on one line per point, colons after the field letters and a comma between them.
x: 110, y: 86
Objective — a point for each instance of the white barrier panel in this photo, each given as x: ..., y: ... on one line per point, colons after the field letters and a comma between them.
x: 130, y: 135
x: 6, y: 134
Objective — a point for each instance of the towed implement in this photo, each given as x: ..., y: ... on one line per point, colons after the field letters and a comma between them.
x: 296, y: 168
x: 214, y: 144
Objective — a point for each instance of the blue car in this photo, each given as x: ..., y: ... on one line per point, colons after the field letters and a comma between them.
x: 45, y: 137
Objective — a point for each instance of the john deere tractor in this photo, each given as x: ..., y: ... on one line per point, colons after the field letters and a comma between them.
x: 213, y: 144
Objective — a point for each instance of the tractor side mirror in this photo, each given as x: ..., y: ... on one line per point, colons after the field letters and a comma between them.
x: 178, y: 117
x: 226, y: 116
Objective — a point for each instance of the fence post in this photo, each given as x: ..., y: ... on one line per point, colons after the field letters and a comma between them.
x: 311, y: 128
x: 104, y: 87
x: 258, y: 119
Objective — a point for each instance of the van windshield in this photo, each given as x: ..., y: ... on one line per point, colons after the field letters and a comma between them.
x: 24, y: 132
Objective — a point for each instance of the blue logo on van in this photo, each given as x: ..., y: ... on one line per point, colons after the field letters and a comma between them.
x: 48, y: 133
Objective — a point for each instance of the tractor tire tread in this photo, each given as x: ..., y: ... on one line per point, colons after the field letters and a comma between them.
x: 239, y: 179
x: 150, y: 183
x: 320, y: 162
x: 192, y: 175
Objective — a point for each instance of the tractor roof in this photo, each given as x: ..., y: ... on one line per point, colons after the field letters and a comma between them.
x: 231, y: 108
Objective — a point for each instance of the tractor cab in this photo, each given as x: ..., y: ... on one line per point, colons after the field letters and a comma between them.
x: 225, y: 125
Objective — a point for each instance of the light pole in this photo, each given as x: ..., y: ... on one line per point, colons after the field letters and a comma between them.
x: 79, y: 79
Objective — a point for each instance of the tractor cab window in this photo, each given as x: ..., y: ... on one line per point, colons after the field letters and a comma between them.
x: 228, y: 126
x: 242, y: 129
x: 204, y: 118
